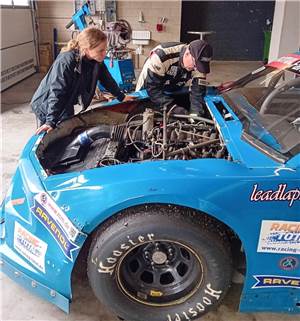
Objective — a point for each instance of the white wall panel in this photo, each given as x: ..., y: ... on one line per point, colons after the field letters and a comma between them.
x: 17, y: 63
x: 16, y: 27
x: 18, y: 59
x: 286, y: 28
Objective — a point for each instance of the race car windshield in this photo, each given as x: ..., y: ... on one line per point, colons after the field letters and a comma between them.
x: 267, y: 102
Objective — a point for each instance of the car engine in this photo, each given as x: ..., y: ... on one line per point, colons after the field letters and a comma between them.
x: 146, y: 136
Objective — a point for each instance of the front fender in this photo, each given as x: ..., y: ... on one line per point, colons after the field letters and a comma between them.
x: 92, y: 196
x: 209, y: 185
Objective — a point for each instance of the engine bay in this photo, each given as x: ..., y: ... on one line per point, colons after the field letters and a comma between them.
x: 146, y: 136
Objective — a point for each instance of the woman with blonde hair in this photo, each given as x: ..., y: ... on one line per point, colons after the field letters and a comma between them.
x: 73, y: 79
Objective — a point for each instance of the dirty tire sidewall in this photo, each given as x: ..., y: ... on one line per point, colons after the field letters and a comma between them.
x: 118, y: 236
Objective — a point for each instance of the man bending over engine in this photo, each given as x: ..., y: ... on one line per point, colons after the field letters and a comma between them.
x: 169, y: 67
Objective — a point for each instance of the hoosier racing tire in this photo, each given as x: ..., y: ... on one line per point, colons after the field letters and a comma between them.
x: 159, y: 263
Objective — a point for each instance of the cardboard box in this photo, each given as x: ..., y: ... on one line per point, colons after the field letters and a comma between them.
x: 46, y: 57
x: 44, y: 69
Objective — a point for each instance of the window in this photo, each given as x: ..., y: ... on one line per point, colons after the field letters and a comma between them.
x: 15, y: 3
x: 5, y: 2
x: 20, y: 2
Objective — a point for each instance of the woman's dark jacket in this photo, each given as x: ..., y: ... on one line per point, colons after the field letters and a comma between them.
x: 70, y: 80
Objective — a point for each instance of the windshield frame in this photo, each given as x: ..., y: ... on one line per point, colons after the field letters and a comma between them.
x: 249, y: 115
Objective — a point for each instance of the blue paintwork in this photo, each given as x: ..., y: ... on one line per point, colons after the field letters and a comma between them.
x: 122, y: 71
x: 78, y: 17
x: 208, y: 185
x: 32, y: 285
x: 140, y: 95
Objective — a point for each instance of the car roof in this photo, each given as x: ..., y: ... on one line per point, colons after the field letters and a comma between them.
x: 290, y: 62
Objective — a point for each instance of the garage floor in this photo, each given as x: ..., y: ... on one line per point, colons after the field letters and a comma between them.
x: 18, y: 124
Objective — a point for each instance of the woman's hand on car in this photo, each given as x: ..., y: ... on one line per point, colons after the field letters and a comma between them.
x: 43, y: 128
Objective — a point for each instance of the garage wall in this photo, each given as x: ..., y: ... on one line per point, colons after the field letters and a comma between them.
x: 286, y: 28
x: 152, y: 11
x: 56, y: 14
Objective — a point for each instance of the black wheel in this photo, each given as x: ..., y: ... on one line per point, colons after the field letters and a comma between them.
x: 159, y: 263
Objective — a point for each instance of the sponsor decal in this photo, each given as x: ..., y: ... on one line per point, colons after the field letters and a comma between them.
x: 288, y: 60
x: 279, y: 237
x: 109, y: 264
x: 156, y: 293
x: 288, y: 263
x: 285, y: 61
x: 208, y: 299
x: 295, y: 68
x: 57, y: 214
x: 18, y: 201
x: 275, y: 281
x: 258, y: 70
x: 280, y: 194
x: 51, y: 222
x: 30, y: 247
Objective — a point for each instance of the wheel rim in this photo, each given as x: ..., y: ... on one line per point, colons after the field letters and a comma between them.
x: 160, y: 273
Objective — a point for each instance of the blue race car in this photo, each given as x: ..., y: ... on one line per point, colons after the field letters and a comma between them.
x: 160, y: 206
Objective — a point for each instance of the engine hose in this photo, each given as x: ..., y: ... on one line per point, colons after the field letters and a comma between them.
x: 186, y: 149
x: 87, y: 137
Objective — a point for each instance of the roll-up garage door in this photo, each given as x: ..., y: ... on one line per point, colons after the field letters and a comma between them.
x: 18, y: 58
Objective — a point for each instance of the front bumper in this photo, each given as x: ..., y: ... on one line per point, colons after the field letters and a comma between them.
x: 52, y: 281
x: 33, y: 286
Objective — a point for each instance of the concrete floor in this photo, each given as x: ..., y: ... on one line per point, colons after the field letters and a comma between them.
x: 18, y: 124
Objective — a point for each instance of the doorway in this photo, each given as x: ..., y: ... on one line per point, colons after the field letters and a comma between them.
x: 238, y: 26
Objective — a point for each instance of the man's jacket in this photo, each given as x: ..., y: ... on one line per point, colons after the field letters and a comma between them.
x: 71, y: 79
x: 163, y: 72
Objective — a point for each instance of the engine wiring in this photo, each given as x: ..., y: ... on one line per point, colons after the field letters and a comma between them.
x: 147, y: 136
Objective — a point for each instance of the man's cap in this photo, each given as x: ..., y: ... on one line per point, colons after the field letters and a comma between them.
x: 202, y: 53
